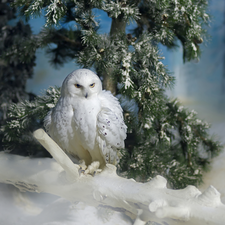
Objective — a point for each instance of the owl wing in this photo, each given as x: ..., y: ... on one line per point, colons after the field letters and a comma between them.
x: 111, y: 129
x: 48, y: 121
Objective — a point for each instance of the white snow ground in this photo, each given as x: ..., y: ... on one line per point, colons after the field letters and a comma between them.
x: 25, y: 208
x: 216, y: 174
x: 17, y: 208
x: 28, y: 208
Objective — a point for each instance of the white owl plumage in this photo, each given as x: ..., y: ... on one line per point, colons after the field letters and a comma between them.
x: 87, y: 122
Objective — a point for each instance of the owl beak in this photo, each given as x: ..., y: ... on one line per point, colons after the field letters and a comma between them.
x: 85, y: 92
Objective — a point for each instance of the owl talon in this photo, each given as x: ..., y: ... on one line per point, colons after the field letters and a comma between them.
x: 93, y: 169
x: 81, y: 170
x: 96, y: 172
x: 82, y: 165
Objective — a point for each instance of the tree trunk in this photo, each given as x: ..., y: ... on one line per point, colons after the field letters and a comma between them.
x: 109, y: 81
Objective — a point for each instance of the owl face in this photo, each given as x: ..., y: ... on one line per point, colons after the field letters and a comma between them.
x: 81, y: 83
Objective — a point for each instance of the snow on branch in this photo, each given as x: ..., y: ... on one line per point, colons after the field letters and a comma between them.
x: 151, y: 201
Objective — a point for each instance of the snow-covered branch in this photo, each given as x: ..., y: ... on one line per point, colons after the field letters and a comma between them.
x: 141, y: 201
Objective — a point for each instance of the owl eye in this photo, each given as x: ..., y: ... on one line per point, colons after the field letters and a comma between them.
x: 77, y: 85
x: 92, y: 85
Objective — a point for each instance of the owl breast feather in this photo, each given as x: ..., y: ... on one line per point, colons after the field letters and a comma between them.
x: 84, y: 121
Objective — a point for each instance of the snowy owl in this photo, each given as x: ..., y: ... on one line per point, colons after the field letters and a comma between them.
x: 87, y: 122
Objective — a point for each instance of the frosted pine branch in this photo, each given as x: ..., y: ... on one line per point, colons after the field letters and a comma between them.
x: 141, y: 201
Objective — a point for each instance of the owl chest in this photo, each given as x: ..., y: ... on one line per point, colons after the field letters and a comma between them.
x: 84, y: 121
x: 75, y: 123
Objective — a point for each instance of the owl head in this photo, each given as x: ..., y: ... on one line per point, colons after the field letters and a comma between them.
x: 81, y: 83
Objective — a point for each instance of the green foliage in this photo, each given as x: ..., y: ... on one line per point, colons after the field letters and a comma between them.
x: 16, y: 61
x: 163, y: 137
x: 171, y: 20
x: 24, y: 118
x: 165, y: 20
x: 173, y: 143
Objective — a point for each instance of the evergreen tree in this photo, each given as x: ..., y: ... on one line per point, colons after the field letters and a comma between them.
x: 15, y: 69
x: 163, y: 137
